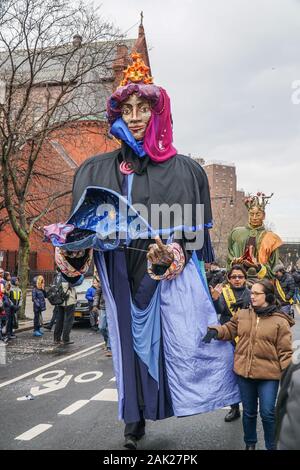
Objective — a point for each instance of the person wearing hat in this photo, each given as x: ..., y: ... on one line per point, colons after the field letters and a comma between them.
x: 252, y: 277
x: 285, y: 288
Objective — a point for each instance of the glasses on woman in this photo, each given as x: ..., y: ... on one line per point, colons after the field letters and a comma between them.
x: 237, y: 276
x: 255, y: 294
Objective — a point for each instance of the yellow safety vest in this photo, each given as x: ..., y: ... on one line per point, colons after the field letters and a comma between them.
x: 16, y: 294
x: 281, y: 292
x: 230, y: 299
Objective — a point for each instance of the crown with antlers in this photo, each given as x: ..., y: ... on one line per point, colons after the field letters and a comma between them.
x: 259, y: 200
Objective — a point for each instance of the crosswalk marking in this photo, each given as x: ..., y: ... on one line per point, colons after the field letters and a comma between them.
x: 108, y: 394
x: 33, y: 432
x: 74, y: 407
x: 113, y: 379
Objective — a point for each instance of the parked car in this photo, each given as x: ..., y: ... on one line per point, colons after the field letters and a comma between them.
x: 82, y: 311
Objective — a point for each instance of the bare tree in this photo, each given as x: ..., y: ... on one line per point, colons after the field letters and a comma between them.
x: 55, y: 70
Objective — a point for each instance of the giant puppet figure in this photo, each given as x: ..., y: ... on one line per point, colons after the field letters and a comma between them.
x: 254, y: 245
x: 157, y: 301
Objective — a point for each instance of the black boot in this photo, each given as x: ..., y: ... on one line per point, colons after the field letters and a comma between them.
x: 250, y: 447
x: 134, y: 432
x: 130, y: 442
x: 233, y: 414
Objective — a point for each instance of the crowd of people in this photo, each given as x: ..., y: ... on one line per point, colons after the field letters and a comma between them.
x: 63, y: 311
x: 261, y: 354
x: 10, y: 304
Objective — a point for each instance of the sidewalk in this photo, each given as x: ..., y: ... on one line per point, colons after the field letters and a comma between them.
x: 25, y: 325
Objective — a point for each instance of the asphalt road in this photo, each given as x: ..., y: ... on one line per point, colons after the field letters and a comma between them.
x: 74, y: 402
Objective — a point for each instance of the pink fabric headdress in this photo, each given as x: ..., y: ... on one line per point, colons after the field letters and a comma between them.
x: 159, y: 135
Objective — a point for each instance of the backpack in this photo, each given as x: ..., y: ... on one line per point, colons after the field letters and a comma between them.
x: 56, y: 294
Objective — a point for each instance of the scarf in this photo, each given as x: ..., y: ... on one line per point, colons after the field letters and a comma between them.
x: 265, y: 311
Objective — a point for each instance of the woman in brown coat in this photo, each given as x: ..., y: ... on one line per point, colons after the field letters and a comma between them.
x: 263, y: 351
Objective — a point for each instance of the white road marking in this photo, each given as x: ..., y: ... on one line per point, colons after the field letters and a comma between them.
x: 107, y: 394
x: 74, y: 407
x: 16, y: 379
x: 113, y: 379
x: 57, y: 374
x: 33, y: 432
x: 229, y: 407
x: 84, y: 355
x: 82, y: 379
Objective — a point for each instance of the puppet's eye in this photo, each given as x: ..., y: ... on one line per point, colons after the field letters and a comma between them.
x: 126, y: 111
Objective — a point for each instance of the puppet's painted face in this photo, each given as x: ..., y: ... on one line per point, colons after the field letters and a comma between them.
x: 256, y: 217
x: 136, y: 112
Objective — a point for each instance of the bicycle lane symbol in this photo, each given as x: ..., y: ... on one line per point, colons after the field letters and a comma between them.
x: 54, y: 380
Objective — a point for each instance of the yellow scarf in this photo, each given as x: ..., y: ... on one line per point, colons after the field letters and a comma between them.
x: 230, y: 299
x: 281, y: 292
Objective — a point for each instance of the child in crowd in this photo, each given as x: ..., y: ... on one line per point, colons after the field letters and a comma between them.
x: 39, y: 304
x: 90, y: 294
x: 16, y: 298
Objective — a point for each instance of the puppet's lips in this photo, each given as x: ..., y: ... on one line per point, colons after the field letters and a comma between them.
x: 135, y: 129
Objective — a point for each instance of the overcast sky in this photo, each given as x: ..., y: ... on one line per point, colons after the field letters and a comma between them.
x: 229, y: 67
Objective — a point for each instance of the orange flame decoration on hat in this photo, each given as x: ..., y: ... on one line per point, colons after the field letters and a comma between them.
x: 137, y: 72
x: 260, y: 201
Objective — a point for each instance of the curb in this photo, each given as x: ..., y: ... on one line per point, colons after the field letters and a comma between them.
x: 24, y: 328
x: 29, y: 326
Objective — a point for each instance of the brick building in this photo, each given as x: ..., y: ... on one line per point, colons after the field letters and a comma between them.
x: 227, y: 202
x: 64, y: 151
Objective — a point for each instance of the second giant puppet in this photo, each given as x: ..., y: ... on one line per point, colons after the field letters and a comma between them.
x: 157, y: 301
x: 254, y: 245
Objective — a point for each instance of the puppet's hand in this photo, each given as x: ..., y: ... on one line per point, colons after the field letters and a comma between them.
x: 159, y: 253
x: 165, y: 262
x: 73, y: 263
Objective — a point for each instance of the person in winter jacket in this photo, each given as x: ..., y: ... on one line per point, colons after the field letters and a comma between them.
x: 2, y: 311
x: 65, y: 313
x: 90, y: 294
x: 227, y: 300
x: 263, y: 352
x: 285, y: 289
x: 16, y: 298
x: 288, y: 409
x: 9, y: 311
x: 99, y: 308
x: 296, y: 275
x: 39, y: 304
